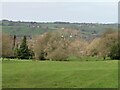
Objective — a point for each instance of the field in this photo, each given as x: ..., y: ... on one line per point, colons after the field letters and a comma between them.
x: 26, y: 28
x: 60, y: 74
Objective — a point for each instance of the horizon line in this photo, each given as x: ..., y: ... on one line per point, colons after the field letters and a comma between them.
x: 58, y: 21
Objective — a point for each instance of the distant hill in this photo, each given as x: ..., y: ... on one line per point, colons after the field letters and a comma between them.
x: 35, y: 28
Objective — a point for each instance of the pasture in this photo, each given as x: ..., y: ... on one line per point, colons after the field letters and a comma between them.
x: 60, y: 74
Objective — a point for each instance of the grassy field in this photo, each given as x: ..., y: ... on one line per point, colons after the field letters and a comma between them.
x: 56, y: 74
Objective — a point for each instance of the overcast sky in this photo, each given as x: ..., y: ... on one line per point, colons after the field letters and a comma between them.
x: 100, y: 12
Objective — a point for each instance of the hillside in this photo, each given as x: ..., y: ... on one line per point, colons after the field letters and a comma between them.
x: 35, y: 28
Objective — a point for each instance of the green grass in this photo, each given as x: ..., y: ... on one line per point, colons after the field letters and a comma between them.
x: 86, y: 58
x: 56, y: 74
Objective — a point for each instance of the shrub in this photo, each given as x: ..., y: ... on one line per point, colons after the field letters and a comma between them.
x: 115, y: 51
x: 59, y: 55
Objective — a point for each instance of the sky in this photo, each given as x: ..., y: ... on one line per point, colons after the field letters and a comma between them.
x: 59, y: 0
x: 88, y: 12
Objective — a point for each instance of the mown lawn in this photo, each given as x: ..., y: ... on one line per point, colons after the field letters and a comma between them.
x: 60, y: 74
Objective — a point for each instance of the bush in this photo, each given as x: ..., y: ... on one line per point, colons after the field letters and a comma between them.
x: 115, y: 51
x: 58, y: 55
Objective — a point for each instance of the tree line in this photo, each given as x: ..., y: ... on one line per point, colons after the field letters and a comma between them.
x: 59, y: 45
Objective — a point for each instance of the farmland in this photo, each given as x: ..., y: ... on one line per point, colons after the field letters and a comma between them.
x: 60, y: 74
x: 36, y: 28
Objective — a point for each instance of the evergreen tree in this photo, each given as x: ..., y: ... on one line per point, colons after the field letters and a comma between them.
x: 23, y: 52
